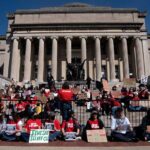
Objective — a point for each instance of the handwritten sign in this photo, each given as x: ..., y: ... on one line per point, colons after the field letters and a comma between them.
x: 129, y: 82
x: 39, y: 136
x: 96, y: 135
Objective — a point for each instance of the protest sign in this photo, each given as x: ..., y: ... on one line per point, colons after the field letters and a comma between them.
x: 144, y: 79
x: 10, y: 127
x: 70, y: 136
x: 96, y: 135
x: 129, y: 82
x: 105, y: 85
x: 148, y: 129
x: 49, y: 126
x: 95, y: 94
x: 39, y: 136
x: 116, y: 94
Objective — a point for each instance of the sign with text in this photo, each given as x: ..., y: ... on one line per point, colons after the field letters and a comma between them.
x: 96, y: 135
x: 39, y: 136
x: 70, y: 136
x: 49, y: 126
x: 129, y: 82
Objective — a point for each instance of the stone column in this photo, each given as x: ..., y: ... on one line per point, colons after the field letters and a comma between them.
x: 125, y: 57
x: 120, y: 64
x: 111, y: 57
x: 84, y: 54
x: 27, y: 64
x: 68, y: 48
x: 139, y: 56
x: 98, y: 58
x: 146, y: 56
x: 54, y: 57
x: 41, y: 59
x: 14, y: 63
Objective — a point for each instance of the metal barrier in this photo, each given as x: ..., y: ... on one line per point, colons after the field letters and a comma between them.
x: 81, y: 113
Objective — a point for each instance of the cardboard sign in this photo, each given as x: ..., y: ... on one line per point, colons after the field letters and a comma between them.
x: 95, y: 94
x: 116, y: 94
x: 96, y: 135
x: 144, y: 79
x: 49, y: 126
x: 70, y: 136
x: 39, y: 136
x: 105, y: 85
x: 148, y: 129
x: 129, y: 82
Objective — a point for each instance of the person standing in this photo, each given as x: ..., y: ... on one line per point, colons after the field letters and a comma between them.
x: 65, y: 96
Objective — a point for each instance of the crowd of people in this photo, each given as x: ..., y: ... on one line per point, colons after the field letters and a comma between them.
x: 24, y: 108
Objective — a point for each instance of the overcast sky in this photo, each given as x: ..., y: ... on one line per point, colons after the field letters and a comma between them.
x: 12, y: 5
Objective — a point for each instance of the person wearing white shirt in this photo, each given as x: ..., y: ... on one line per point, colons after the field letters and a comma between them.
x: 121, y: 128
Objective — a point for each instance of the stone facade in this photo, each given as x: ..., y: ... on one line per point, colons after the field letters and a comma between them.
x: 114, y: 42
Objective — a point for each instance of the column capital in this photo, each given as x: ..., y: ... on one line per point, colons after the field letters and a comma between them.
x: 137, y: 37
x: 15, y: 37
x: 110, y: 37
x: 41, y: 37
x: 83, y: 37
x: 68, y: 37
x: 28, y: 37
x: 123, y: 36
x: 54, y: 37
x: 143, y: 38
x: 97, y: 37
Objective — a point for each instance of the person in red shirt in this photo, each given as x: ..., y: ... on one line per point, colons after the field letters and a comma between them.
x: 20, y: 108
x: 66, y: 96
x: 135, y: 103
x: 93, y: 123
x: 70, y: 125
x: 31, y: 124
x: 54, y: 127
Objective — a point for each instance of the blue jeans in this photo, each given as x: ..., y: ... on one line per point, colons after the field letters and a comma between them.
x: 25, y: 136
x: 65, y: 108
x: 135, y: 108
x: 54, y: 135
x: 7, y: 137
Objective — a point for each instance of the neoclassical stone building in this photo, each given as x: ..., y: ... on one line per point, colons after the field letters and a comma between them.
x: 114, y: 42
